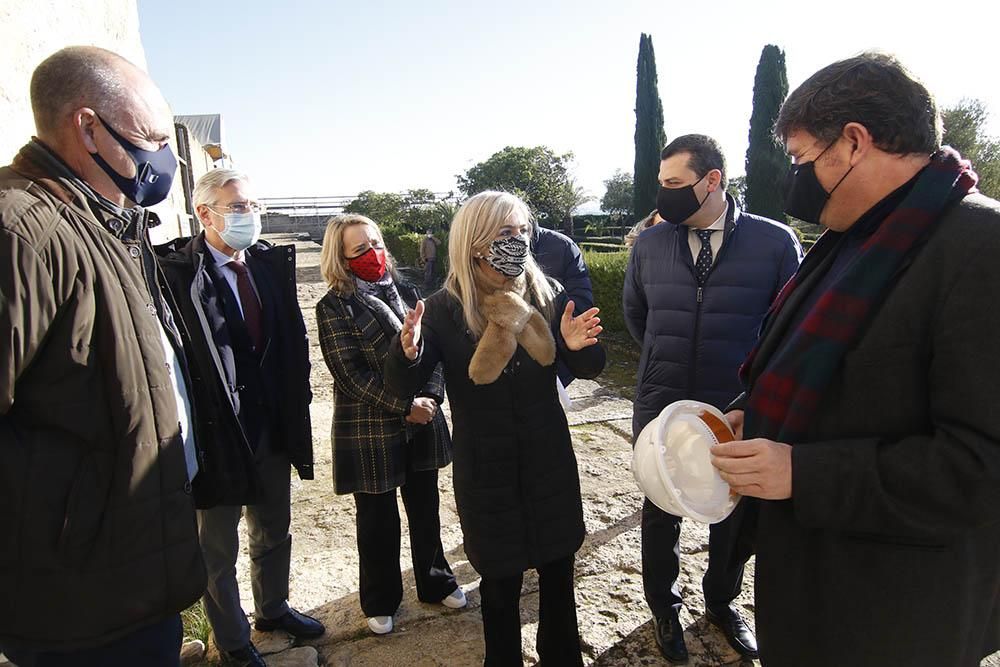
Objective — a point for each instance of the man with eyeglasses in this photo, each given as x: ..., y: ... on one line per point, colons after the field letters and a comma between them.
x: 869, y: 425
x: 247, y: 346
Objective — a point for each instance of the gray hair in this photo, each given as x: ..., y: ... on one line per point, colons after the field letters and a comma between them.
x: 79, y: 76
x: 208, y: 185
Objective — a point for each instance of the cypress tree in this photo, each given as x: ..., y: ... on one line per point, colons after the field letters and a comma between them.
x: 649, y: 136
x: 767, y: 164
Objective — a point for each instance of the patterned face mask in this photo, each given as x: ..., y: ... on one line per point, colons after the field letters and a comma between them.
x: 508, y: 255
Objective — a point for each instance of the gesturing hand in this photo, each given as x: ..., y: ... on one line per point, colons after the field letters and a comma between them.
x: 409, y: 336
x: 582, y: 331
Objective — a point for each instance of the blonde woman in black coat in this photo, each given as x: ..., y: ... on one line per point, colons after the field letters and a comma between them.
x: 498, y: 327
x: 381, y: 440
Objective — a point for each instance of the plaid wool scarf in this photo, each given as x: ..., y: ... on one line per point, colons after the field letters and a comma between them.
x: 782, y: 401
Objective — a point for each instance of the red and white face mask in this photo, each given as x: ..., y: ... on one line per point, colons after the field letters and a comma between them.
x: 369, y: 265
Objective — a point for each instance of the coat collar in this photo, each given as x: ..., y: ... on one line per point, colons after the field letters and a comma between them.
x: 42, y: 165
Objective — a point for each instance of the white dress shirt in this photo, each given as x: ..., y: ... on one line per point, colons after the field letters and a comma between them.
x: 222, y: 259
x: 183, y: 403
x: 718, y: 232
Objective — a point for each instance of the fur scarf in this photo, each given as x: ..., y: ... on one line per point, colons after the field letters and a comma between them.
x: 511, y: 321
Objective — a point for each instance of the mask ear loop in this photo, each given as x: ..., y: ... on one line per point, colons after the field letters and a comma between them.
x: 816, y: 159
x: 702, y: 202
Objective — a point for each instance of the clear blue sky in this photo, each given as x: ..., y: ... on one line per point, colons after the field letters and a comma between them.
x: 324, y: 97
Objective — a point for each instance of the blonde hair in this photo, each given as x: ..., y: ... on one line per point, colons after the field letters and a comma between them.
x: 476, y: 226
x: 332, y: 263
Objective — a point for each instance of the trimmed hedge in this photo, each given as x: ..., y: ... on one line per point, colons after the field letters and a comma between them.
x: 607, y: 277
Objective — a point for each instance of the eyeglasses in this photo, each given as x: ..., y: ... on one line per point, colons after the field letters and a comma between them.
x: 239, y: 207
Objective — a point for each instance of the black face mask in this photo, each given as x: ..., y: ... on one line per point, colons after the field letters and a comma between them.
x: 154, y: 171
x: 678, y: 204
x: 805, y: 197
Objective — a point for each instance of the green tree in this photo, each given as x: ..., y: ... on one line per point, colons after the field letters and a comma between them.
x: 767, y: 163
x: 535, y: 174
x: 385, y: 208
x: 738, y: 189
x: 617, y: 199
x: 965, y: 131
x: 649, y: 135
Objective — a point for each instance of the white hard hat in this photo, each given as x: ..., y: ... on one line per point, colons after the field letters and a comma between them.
x: 672, y: 462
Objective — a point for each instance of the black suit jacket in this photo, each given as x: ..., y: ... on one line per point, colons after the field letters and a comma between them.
x: 215, y: 337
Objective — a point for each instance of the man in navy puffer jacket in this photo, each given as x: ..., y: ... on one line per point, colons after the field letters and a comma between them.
x: 694, y: 297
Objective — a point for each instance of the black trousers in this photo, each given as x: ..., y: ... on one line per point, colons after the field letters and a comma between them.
x: 157, y: 645
x: 558, y: 639
x: 381, y: 583
x: 730, y: 545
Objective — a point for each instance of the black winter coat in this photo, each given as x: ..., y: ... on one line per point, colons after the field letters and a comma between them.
x: 515, y: 476
x: 227, y: 474
x: 888, y: 552
x: 694, y: 338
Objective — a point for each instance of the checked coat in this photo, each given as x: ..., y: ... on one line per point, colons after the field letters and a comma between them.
x: 373, y: 445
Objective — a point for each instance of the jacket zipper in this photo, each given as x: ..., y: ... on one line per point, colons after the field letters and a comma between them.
x: 699, y: 299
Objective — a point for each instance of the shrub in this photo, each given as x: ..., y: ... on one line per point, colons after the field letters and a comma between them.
x: 601, y: 247
x: 607, y: 277
x: 404, y: 246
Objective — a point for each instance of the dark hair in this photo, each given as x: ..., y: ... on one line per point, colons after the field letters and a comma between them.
x: 872, y: 89
x: 78, y: 76
x: 704, y: 154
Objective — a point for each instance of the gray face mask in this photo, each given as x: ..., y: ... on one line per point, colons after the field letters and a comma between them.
x: 508, y: 255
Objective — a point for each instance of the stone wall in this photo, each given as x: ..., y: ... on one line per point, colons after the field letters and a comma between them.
x: 279, y: 223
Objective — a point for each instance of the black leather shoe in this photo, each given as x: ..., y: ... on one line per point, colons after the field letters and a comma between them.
x: 296, y: 624
x: 735, y: 629
x: 670, y: 638
x: 243, y: 657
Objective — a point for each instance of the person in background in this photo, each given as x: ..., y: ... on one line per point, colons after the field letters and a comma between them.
x: 869, y: 424
x: 650, y: 220
x: 100, y: 551
x: 382, y: 441
x: 428, y: 257
x: 245, y: 337
x: 559, y: 258
x: 696, y: 291
x: 498, y: 327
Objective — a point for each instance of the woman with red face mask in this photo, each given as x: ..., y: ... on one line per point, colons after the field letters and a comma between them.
x: 381, y: 441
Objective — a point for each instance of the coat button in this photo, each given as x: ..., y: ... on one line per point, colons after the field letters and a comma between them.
x: 134, y: 251
x: 151, y: 308
x: 116, y: 225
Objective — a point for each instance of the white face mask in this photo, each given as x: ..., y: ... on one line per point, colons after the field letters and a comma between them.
x: 242, y: 230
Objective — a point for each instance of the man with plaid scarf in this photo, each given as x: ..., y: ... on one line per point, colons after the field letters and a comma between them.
x: 869, y: 426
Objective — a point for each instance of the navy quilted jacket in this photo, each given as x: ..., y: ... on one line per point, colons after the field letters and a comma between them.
x: 694, y: 339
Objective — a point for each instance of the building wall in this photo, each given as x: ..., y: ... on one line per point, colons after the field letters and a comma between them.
x: 31, y: 30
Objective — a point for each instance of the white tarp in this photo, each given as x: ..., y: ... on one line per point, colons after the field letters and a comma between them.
x: 206, y: 128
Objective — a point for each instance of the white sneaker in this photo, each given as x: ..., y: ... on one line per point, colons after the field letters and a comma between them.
x: 380, y: 625
x: 456, y: 600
